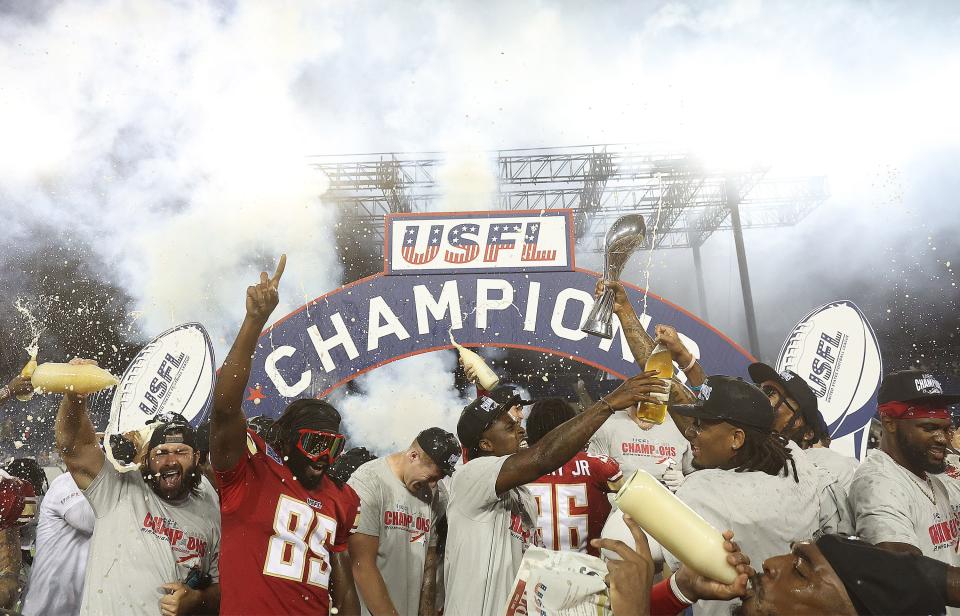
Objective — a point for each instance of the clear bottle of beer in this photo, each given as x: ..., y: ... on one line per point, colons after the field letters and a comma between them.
x: 661, y: 361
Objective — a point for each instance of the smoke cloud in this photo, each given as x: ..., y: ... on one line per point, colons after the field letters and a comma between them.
x: 165, y: 143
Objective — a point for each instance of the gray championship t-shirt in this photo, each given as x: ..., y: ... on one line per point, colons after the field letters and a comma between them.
x: 141, y: 541
x: 837, y: 465
x: 892, y: 504
x: 621, y: 438
x: 404, y: 525
x: 486, y: 539
x: 765, y: 512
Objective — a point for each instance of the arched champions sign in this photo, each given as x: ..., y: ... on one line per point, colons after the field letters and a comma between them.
x: 503, y: 279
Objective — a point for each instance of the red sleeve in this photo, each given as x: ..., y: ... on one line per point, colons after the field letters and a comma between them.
x: 230, y: 483
x: 663, y: 602
x: 349, y: 510
x: 18, y: 503
x: 604, y: 468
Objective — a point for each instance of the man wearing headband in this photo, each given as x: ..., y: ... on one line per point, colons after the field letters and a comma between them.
x: 285, y: 522
x: 492, y: 516
x: 394, y: 549
x: 899, y: 500
x: 156, y: 539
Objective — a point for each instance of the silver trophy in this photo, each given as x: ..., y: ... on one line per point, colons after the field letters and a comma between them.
x: 623, y: 239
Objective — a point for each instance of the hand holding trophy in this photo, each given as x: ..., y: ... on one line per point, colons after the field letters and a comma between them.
x: 624, y: 237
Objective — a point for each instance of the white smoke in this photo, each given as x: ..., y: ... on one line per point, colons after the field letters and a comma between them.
x: 171, y: 135
x: 167, y: 136
x: 399, y: 400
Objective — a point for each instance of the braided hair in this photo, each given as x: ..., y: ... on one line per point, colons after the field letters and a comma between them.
x: 766, y: 452
x: 545, y: 415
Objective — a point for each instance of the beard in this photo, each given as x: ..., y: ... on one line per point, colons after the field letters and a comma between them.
x: 304, y: 470
x: 918, y: 457
x: 189, y: 481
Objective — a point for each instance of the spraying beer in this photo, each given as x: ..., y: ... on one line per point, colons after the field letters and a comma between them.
x: 661, y: 361
x: 27, y: 372
x: 486, y: 377
x: 53, y: 378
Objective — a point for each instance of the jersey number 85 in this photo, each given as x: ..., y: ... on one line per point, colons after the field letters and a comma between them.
x: 300, y: 544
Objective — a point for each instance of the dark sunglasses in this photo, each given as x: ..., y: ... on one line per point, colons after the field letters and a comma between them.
x: 317, y: 444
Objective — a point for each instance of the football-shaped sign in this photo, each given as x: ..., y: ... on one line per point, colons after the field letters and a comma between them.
x: 835, y: 350
x: 174, y: 373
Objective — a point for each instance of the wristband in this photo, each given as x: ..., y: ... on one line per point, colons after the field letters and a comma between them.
x: 676, y: 590
x: 5, y: 392
x: 608, y: 404
x: 693, y: 360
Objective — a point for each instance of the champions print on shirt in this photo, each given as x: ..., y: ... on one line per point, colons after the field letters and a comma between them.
x: 944, y: 534
x: 659, y: 451
x: 417, y: 526
x: 188, y: 550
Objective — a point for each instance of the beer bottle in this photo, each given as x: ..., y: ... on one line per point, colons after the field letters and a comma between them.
x: 486, y: 377
x: 28, y: 372
x: 675, y: 526
x: 661, y: 361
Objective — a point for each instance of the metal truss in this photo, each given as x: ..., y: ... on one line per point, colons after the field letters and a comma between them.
x: 678, y: 197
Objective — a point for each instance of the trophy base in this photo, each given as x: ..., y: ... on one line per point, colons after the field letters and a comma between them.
x: 600, y: 330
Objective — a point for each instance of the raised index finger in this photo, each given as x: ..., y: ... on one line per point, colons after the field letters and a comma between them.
x: 275, y: 281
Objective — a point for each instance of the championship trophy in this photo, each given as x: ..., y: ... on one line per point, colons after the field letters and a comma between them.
x: 623, y: 239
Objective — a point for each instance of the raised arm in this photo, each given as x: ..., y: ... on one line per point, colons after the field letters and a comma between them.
x: 228, y: 426
x: 641, y: 345
x: 77, y: 439
x: 10, y: 557
x: 563, y: 442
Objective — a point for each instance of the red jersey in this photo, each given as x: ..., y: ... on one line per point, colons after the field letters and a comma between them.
x: 277, y: 536
x: 572, y: 502
x: 18, y: 503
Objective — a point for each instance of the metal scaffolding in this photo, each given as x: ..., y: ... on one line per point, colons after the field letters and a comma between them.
x: 678, y: 196
x: 599, y: 183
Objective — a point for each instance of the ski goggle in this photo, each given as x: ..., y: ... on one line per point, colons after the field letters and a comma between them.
x: 317, y: 444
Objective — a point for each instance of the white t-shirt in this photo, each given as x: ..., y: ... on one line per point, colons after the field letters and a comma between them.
x: 65, y: 523
x: 141, y: 541
x: 836, y: 464
x: 765, y: 512
x: 486, y: 538
x: 622, y: 438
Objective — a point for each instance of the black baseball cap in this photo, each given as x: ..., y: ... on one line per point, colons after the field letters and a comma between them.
x: 730, y: 399
x: 879, y: 581
x: 442, y: 447
x: 479, y: 414
x: 177, y: 430
x: 797, y: 388
x: 914, y: 385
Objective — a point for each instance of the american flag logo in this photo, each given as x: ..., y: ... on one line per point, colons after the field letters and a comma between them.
x: 496, y: 242
x: 530, y: 252
x: 409, y: 249
x: 469, y: 249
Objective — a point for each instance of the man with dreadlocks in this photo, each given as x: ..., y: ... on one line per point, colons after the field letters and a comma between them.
x: 285, y: 522
x: 749, y: 481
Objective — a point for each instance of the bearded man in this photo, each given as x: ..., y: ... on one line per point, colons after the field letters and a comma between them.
x: 156, y: 538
